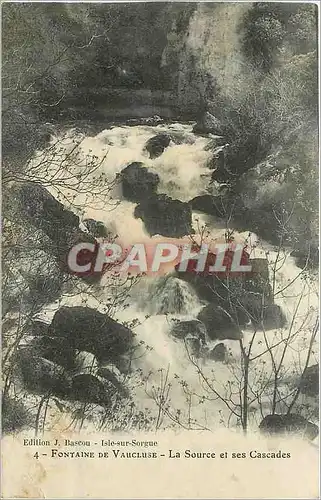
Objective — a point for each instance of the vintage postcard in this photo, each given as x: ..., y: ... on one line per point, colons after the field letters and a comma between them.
x: 160, y: 217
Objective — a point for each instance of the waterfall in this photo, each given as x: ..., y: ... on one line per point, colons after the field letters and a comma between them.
x: 155, y: 301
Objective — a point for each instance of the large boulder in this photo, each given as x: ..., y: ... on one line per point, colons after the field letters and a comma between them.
x: 208, y: 124
x: 111, y: 374
x: 156, y: 145
x: 211, y: 205
x: 89, y: 330
x: 55, y: 349
x: 219, y: 323
x: 193, y: 345
x: 137, y: 182
x: 219, y: 352
x: 41, y: 375
x: 247, y: 297
x: 44, y: 211
x: 39, y: 328
x: 90, y: 388
x: 309, y: 383
x: 194, y: 327
x: 291, y: 423
x: 165, y: 216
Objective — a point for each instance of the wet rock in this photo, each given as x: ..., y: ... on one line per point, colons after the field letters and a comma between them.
x: 156, y: 145
x: 96, y: 228
x: 108, y: 373
x: 193, y: 327
x: 247, y: 297
x: 56, y: 350
x: 219, y: 323
x: 211, y: 205
x: 165, y: 216
x: 193, y: 345
x: 289, y: 424
x: 39, y: 328
x: 89, y: 330
x: 45, y: 211
x: 208, y: 124
x: 41, y: 375
x: 137, y: 182
x: 219, y: 352
x: 309, y: 383
x: 268, y: 317
x: 90, y: 388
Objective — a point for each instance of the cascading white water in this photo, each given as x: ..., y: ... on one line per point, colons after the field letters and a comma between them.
x: 183, y: 173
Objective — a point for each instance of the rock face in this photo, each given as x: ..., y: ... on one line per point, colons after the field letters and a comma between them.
x: 212, y: 205
x: 219, y: 323
x: 219, y: 352
x: 90, y: 389
x: 96, y: 228
x: 193, y: 345
x: 165, y: 216
x: 89, y: 330
x: 56, y: 350
x: 58, y: 224
x: 208, y: 124
x: 156, y: 145
x: 39, y: 328
x: 289, y: 424
x: 193, y: 327
x: 309, y: 383
x: 247, y: 297
x: 45, y: 211
x: 137, y: 182
x: 41, y: 375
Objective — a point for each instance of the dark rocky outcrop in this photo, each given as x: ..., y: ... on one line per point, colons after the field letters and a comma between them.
x: 55, y: 349
x: 62, y: 227
x: 96, y: 228
x: 195, y: 328
x: 39, y: 328
x: 309, y: 383
x: 246, y: 297
x: 108, y: 374
x: 208, y: 124
x: 41, y: 375
x: 89, y: 330
x: 219, y: 352
x: 193, y: 345
x: 90, y: 388
x: 44, y: 211
x: 156, y: 145
x: 137, y: 182
x: 165, y: 216
x: 219, y: 323
x: 291, y: 423
x: 211, y: 205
